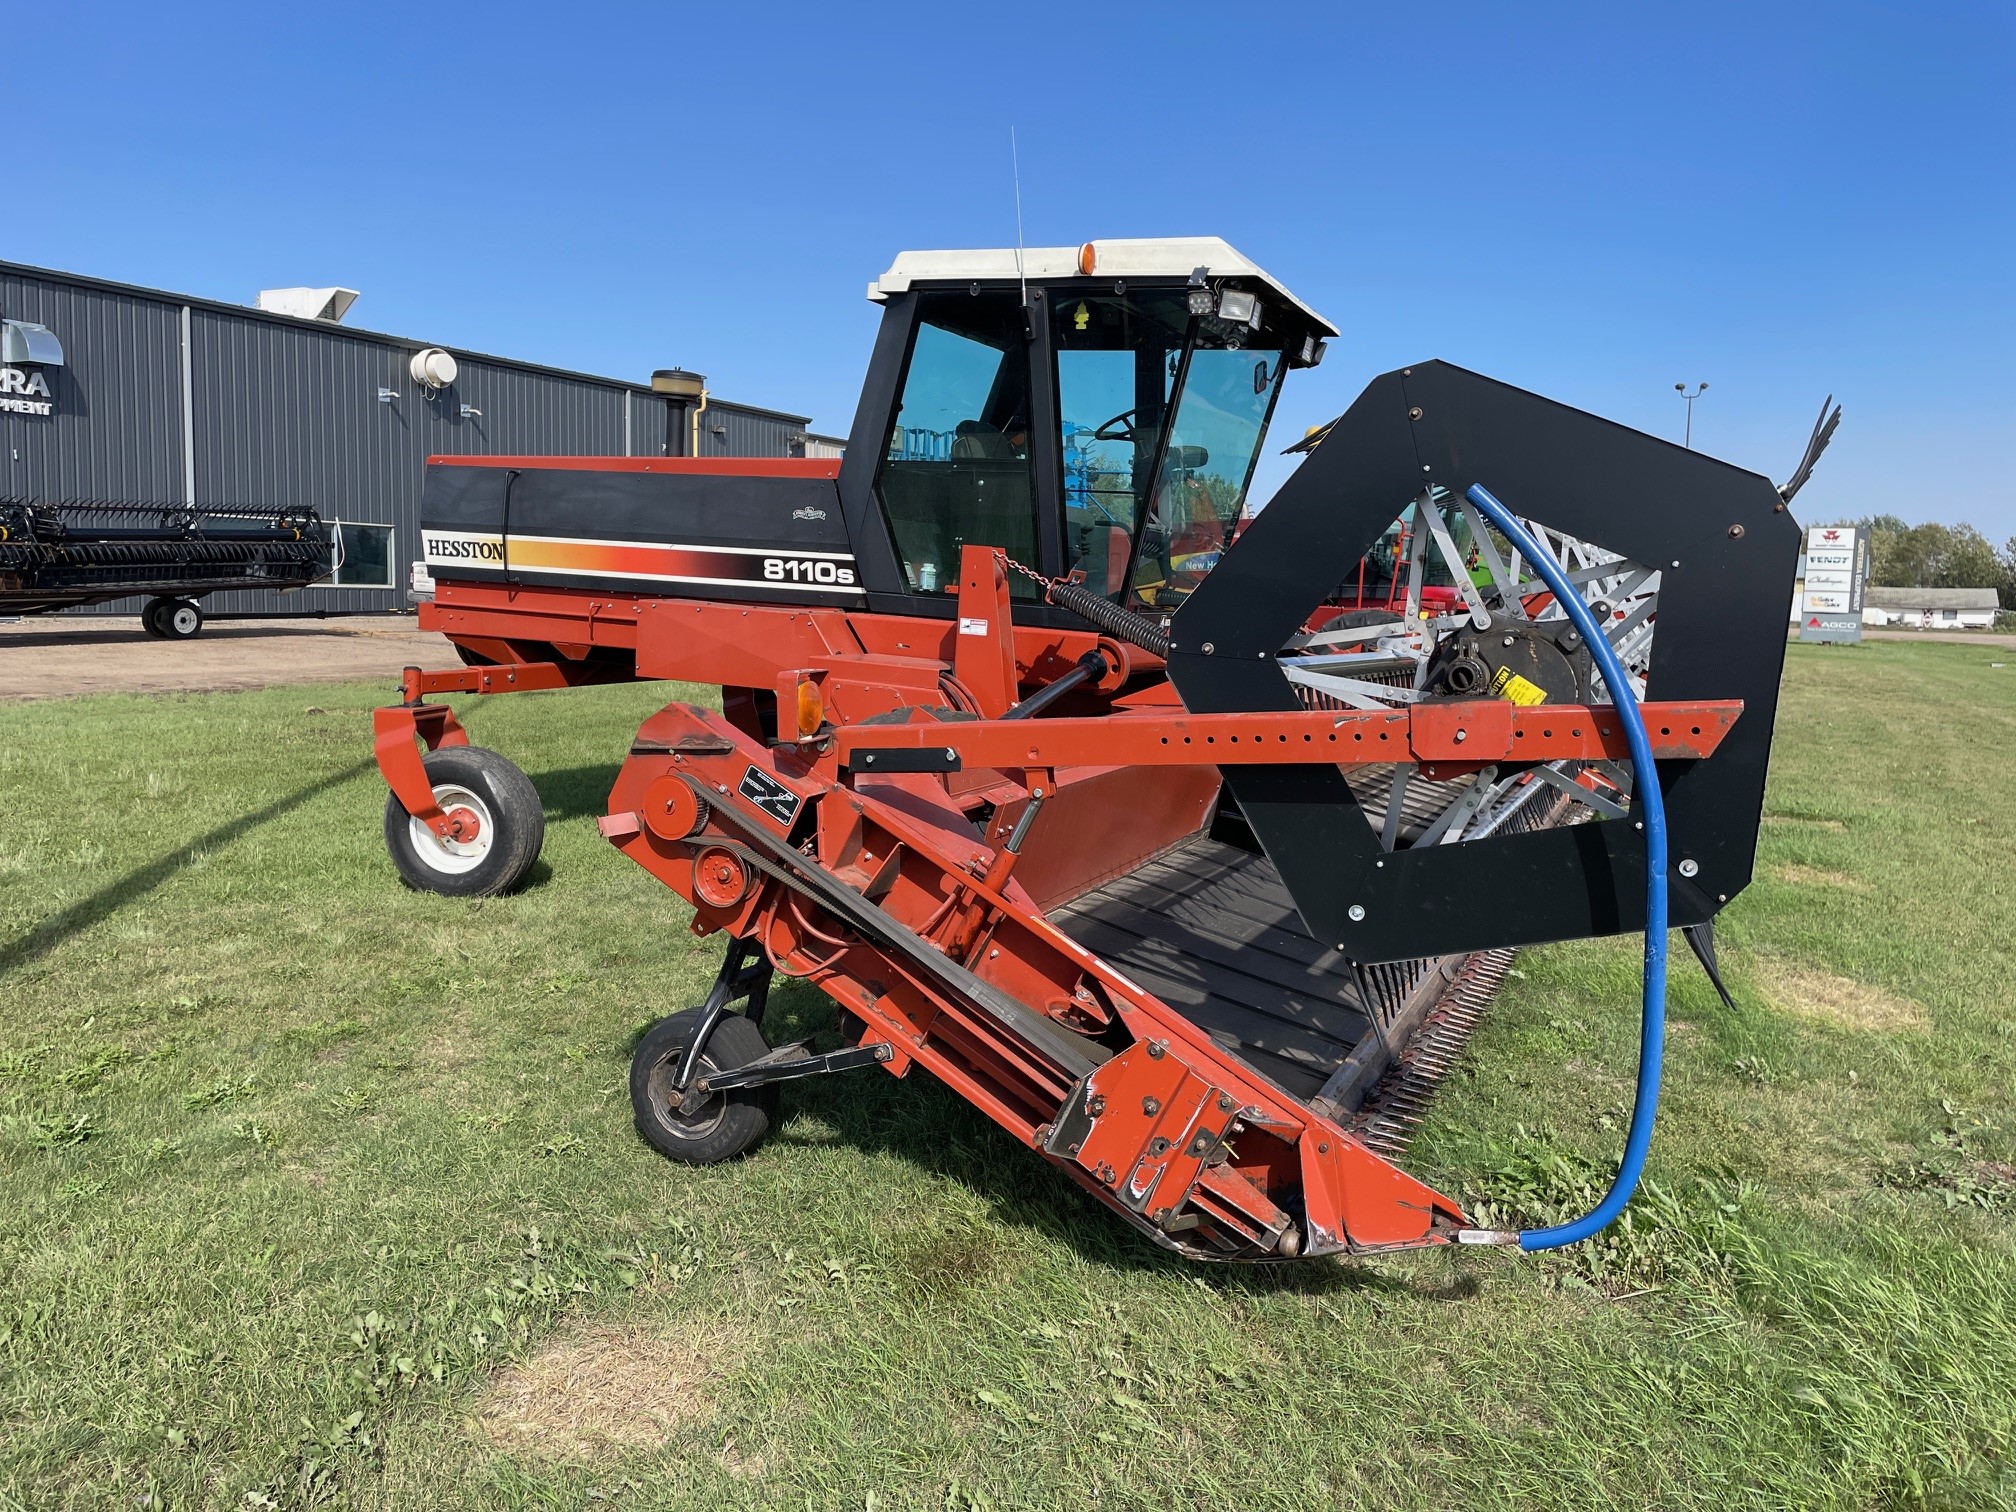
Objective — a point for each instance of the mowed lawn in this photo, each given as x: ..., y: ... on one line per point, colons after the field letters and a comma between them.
x: 314, y: 1191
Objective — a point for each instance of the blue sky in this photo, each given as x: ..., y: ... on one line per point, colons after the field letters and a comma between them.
x: 1590, y: 201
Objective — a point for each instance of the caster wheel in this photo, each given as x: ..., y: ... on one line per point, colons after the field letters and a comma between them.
x: 500, y: 820
x: 150, y: 617
x: 722, y: 1127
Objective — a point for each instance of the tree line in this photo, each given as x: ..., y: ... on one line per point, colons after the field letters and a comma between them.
x: 1938, y: 556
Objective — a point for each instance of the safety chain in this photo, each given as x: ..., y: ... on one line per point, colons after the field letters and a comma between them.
x: 1046, y: 584
x: 1122, y: 624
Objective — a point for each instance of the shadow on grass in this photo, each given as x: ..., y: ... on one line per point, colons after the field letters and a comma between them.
x: 576, y: 791
x: 921, y: 1121
x: 44, y: 937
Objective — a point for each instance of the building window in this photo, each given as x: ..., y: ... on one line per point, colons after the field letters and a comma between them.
x: 957, y: 471
x: 363, y: 555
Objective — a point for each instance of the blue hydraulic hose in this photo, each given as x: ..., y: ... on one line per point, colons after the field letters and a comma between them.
x: 1650, y: 806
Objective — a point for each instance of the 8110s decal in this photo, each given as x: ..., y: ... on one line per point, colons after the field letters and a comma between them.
x: 647, y: 561
x: 800, y: 570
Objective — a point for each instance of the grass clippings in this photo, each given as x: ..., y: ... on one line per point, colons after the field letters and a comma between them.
x: 1828, y: 997
x: 603, y: 1389
x: 1818, y: 876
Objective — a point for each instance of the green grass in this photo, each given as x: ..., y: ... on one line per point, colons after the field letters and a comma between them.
x: 298, y: 1169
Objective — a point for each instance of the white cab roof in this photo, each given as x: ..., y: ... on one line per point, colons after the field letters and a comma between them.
x: 1159, y: 257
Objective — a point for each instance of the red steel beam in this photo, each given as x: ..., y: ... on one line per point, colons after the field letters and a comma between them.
x: 507, y: 677
x: 1464, y: 732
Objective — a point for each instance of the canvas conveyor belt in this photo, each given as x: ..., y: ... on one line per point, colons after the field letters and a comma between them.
x: 1208, y: 928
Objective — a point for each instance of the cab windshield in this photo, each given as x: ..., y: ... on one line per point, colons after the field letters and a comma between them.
x: 1162, y: 413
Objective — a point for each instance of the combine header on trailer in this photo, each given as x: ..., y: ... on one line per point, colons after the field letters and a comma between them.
x: 1188, y: 874
x: 62, y: 556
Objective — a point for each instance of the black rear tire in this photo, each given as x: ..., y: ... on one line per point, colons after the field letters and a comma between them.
x: 150, y: 617
x: 728, y: 1124
x: 511, y: 826
x: 180, y: 619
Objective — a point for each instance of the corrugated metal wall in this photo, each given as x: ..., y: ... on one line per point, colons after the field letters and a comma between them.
x: 288, y: 412
x: 117, y: 430
x: 291, y: 414
x: 728, y: 430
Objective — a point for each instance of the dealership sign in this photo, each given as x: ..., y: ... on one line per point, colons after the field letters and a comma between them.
x: 28, y: 350
x: 1837, y: 561
x: 25, y: 391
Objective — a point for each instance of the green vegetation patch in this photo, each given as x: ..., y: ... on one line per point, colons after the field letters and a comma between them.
x: 314, y: 1191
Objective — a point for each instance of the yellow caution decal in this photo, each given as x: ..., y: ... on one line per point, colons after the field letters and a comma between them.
x: 1510, y: 685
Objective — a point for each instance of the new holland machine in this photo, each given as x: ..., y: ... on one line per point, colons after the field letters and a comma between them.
x: 1091, y: 802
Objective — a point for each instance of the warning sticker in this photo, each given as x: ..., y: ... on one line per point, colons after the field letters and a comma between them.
x: 1510, y: 685
x: 770, y: 795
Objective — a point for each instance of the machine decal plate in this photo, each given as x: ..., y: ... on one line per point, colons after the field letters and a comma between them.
x: 646, y: 561
x: 770, y: 795
x: 1510, y: 685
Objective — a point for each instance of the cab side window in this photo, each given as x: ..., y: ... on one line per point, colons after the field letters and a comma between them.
x: 957, y: 468
x: 1117, y: 357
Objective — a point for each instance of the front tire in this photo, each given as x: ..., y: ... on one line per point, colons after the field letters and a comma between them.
x: 499, y: 807
x: 726, y: 1125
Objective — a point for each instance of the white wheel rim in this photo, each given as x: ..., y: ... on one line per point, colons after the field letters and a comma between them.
x: 454, y: 857
x: 183, y: 620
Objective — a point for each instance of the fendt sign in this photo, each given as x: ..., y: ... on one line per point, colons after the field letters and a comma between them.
x: 25, y: 391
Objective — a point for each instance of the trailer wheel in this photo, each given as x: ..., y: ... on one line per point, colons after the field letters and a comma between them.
x: 179, y: 619
x: 500, y: 808
x: 724, y: 1126
x: 150, y: 617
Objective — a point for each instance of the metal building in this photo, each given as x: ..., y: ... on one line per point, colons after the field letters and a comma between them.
x: 111, y: 392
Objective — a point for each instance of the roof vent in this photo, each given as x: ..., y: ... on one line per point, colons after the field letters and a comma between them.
x: 308, y: 304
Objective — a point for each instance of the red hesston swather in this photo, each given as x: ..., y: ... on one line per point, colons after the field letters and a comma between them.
x: 1055, y: 792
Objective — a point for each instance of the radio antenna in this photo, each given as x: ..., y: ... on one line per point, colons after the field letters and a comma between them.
x: 1015, y: 167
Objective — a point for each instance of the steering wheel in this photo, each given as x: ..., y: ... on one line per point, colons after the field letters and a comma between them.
x: 1106, y: 432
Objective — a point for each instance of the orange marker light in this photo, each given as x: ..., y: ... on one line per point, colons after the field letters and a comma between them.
x: 1088, y: 259
x: 811, y: 708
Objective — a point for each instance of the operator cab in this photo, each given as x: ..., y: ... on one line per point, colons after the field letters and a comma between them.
x: 1094, y: 411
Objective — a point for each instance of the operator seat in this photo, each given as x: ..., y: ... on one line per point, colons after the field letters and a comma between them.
x: 977, y: 441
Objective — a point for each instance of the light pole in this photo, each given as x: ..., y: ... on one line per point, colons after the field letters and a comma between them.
x: 1699, y: 390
